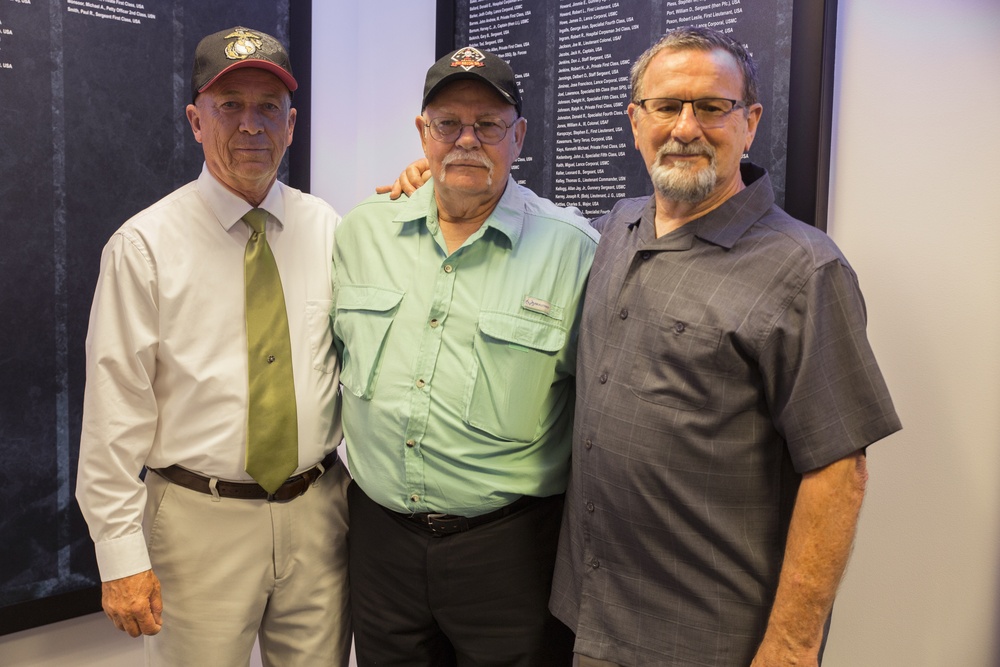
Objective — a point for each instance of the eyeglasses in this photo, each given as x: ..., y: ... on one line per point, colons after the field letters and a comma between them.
x: 710, y: 111
x: 487, y: 130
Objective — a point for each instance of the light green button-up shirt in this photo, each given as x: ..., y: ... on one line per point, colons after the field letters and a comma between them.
x: 458, y: 369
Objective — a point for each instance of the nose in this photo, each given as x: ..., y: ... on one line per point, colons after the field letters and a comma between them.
x: 467, y: 138
x: 250, y: 121
x: 687, y: 128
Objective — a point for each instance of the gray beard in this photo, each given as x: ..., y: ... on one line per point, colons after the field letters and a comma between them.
x: 682, y: 182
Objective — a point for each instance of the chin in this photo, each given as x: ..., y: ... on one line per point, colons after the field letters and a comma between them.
x: 688, y: 185
x: 460, y: 181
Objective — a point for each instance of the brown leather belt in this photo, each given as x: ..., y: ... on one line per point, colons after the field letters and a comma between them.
x: 447, y: 524
x: 293, y: 488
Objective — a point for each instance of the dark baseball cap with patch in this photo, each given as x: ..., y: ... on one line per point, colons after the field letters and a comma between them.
x: 238, y: 47
x: 471, y: 63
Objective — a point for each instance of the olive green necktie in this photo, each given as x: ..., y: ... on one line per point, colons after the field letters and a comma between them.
x: 272, y: 428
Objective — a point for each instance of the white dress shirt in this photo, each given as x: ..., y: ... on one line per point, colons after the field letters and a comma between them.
x: 166, y: 351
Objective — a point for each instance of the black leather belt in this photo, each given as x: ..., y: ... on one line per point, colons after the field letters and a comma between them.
x: 448, y: 524
x: 293, y: 488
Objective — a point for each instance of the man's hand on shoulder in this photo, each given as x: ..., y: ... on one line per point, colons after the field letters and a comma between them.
x: 133, y: 603
x: 407, y: 183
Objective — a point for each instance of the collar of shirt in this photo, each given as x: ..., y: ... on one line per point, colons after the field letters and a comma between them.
x: 507, y: 218
x: 229, y: 208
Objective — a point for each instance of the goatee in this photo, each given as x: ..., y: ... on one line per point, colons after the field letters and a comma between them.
x: 684, y: 181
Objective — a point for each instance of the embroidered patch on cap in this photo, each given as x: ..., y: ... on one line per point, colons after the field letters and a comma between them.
x: 537, y: 305
x: 246, y: 44
x: 468, y: 58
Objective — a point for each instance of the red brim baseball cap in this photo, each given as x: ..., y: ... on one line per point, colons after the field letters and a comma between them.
x: 235, y: 48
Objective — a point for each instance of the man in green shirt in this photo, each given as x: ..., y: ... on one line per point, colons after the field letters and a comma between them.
x: 456, y: 317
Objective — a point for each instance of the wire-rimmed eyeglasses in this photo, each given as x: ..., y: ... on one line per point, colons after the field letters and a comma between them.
x: 488, y: 130
x: 709, y: 111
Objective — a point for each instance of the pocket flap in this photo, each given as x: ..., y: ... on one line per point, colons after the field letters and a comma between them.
x: 367, y: 297
x: 522, y: 331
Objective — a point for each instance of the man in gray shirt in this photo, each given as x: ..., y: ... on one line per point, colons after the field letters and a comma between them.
x: 726, y: 394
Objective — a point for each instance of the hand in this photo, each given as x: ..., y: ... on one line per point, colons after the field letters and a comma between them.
x: 133, y: 603
x: 412, y: 178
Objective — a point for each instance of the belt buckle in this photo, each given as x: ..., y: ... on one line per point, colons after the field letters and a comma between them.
x: 443, y: 524
x: 290, y: 490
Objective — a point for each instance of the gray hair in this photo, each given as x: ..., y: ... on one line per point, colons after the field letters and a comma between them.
x: 692, y: 38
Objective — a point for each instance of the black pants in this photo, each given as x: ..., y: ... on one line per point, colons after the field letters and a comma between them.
x: 474, y: 598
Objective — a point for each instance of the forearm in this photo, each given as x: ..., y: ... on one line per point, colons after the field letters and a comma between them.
x: 112, y: 499
x: 119, y: 411
x: 819, y: 543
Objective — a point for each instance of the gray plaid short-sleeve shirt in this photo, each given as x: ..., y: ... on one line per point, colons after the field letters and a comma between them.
x: 716, y: 365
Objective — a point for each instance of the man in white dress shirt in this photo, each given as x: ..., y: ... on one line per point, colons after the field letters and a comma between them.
x: 167, y: 389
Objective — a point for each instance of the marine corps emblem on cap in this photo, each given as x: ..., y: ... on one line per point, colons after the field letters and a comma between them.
x: 246, y: 44
x: 468, y: 58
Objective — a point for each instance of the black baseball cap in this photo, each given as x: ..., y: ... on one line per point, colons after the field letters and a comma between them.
x: 238, y: 47
x: 471, y: 63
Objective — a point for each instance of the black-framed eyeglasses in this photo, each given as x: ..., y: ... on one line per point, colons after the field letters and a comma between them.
x: 488, y: 130
x: 710, y: 111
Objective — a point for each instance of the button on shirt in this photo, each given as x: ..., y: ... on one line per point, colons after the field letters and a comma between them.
x: 166, y: 351
x: 458, y: 368
x: 718, y: 363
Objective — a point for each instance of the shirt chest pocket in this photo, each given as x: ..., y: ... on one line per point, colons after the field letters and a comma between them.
x: 362, y: 320
x: 676, y: 363
x: 513, y: 368
x: 324, y: 355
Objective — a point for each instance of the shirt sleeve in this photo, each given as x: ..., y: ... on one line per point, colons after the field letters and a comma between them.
x: 826, y: 393
x: 119, y: 407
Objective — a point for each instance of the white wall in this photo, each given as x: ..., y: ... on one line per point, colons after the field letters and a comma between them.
x: 916, y: 209
x: 369, y: 61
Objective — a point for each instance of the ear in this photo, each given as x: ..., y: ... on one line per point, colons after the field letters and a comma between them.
x: 291, y: 124
x: 753, y: 119
x: 191, y: 111
x: 520, y: 130
x: 422, y: 129
x: 632, y: 120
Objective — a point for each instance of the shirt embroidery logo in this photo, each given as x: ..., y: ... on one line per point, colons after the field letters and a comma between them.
x: 537, y: 305
x: 246, y: 44
x: 468, y: 58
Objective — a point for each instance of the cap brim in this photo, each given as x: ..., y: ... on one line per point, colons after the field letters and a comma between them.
x: 257, y: 63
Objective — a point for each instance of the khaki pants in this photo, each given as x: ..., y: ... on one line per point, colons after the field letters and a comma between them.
x: 230, y: 569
